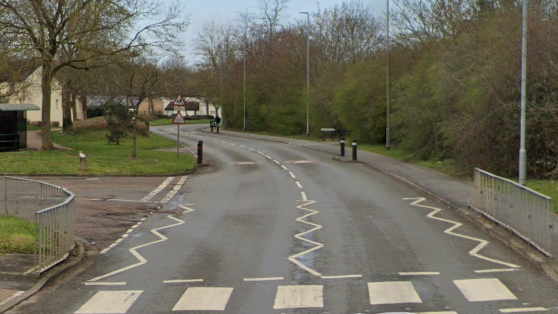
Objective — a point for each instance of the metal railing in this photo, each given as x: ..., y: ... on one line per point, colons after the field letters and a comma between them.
x: 51, y: 208
x: 521, y: 210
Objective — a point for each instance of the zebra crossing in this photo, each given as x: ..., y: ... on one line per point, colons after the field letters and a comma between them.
x: 308, y: 296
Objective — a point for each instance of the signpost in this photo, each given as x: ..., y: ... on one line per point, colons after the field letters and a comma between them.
x: 178, y: 120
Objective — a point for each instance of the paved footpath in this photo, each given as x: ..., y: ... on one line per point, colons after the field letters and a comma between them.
x: 452, y: 192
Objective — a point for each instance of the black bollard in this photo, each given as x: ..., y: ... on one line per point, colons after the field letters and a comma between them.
x: 354, y: 150
x: 342, y: 144
x: 217, y: 126
x: 200, y: 152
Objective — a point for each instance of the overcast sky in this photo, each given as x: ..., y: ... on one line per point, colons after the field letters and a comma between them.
x: 227, y: 10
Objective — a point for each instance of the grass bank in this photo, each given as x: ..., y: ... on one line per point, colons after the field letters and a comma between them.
x: 16, y: 236
x: 155, y: 156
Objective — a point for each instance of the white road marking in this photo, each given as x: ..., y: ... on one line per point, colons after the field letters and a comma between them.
x: 484, y: 271
x: 130, y: 230
x: 110, y: 302
x: 13, y: 296
x: 443, y: 312
x: 241, y: 146
x: 251, y: 149
x: 276, y: 161
x: 134, y: 251
x: 299, y: 162
x: 292, y: 175
x: 284, y: 168
x: 486, y: 289
x: 342, y: 277
x: 299, y: 236
x: 105, y: 283
x: 304, y: 197
x: 175, y: 190
x: 244, y: 163
x: 204, y: 299
x: 524, y: 310
x: 265, y: 279
x: 392, y: 292
x: 183, y: 281
x: 299, y: 185
x: 260, y: 153
x: 157, y: 190
x: 424, y: 273
x: 268, y: 157
x: 293, y: 297
x: 474, y: 252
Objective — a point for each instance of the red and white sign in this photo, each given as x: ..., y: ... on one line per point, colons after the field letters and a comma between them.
x: 179, y: 101
x: 179, y: 119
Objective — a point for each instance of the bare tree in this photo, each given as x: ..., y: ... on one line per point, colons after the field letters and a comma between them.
x: 347, y: 32
x: 94, y: 29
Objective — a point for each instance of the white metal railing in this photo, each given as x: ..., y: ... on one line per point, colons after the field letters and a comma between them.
x: 51, y: 208
x: 523, y: 211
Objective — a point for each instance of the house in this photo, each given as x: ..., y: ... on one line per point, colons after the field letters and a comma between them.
x: 194, y: 106
x: 30, y: 92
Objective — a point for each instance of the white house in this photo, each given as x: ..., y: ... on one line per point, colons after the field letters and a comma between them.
x: 194, y: 106
x: 31, y: 93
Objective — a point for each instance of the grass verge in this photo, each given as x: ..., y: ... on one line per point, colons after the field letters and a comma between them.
x: 16, y: 236
x: 154, y: 156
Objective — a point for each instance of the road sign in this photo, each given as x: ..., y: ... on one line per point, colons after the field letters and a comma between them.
x: 179, y: 101
x: 179, y: 119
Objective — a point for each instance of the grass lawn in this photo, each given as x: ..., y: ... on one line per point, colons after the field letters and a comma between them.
x: 102, y: 158
x: 16, y: 236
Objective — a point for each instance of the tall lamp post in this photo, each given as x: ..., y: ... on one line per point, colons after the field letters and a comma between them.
x: 245, y: 55
x: 522, y: 150
x: 387, y: 74
x: 307, y: 72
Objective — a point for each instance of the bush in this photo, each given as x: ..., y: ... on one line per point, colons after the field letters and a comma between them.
x: 96, y: 111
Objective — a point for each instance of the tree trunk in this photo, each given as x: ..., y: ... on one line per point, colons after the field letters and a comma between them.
x: 83, y: 100
x: 135, y: 133
x: 74, y: 106
x: 66, y: 108
x: 46, y: 86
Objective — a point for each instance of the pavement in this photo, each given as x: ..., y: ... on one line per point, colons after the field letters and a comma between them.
x: 453, y: 193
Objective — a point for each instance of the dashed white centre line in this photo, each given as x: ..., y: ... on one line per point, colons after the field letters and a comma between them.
x: 304, y: 198
x: 342, y: 277
x: 264, y: 279
x: 524, y: 310
x: 424, y: 273
x: 292, y: 174
x: 299, y: 185
x: 183, y: 281
x: 285, y: 168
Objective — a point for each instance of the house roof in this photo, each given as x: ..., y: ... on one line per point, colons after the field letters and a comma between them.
x: 190, y: 105
x: 18, y: 107
x: 18, y: 70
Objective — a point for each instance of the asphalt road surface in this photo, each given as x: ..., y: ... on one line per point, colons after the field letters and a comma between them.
x: 275, y: 228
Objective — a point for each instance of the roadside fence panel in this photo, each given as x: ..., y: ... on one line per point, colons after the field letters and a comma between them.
x: 523, y: 211
x: 51, y: 208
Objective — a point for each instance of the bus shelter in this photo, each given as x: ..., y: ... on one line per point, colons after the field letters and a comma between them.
x: 13, y: 126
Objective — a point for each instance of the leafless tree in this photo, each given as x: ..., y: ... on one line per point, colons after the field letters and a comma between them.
x: 92, y: 29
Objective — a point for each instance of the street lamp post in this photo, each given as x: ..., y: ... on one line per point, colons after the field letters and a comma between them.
x: 522, y: 150
x: 387, y: 74
x: 307, y: 72
x: 245, y: 54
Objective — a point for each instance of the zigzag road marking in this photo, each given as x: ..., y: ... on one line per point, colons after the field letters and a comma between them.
x: 474, y: 252
x: 134, y: 251
x: 299, y: 236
